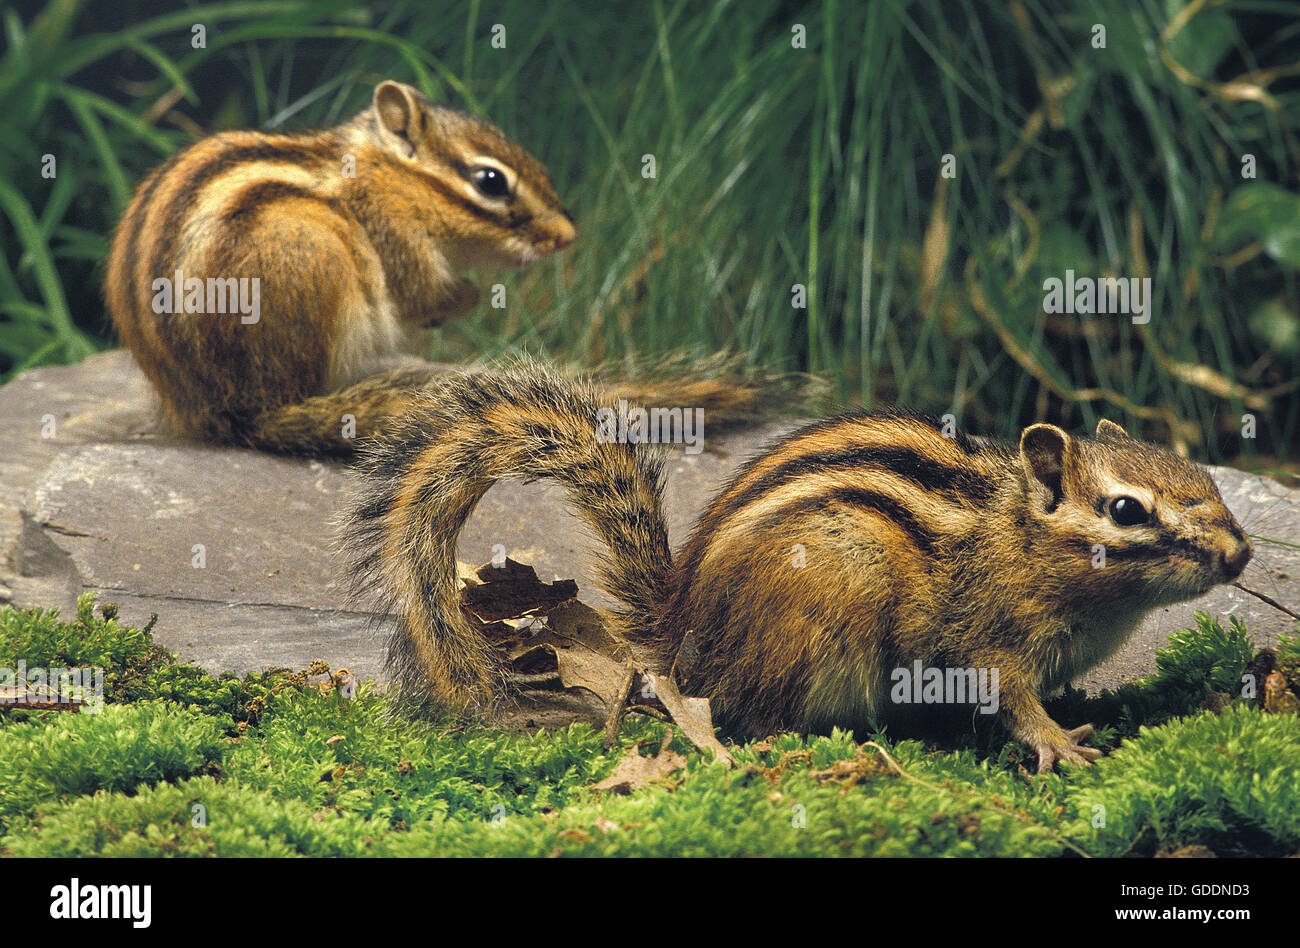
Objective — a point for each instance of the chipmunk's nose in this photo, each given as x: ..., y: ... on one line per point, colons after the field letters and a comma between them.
x: 1234, y: 559
x: 563, y: 232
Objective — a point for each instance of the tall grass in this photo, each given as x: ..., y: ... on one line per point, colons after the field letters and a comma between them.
x: 776, y: 166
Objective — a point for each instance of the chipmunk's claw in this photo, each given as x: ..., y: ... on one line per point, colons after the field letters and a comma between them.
x: 1049, y: 752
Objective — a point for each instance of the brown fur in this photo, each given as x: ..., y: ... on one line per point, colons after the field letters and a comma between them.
x: 855, y: 546
x: 351, y: 262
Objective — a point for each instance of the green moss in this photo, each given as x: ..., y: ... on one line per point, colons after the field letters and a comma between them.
x: 1288, y: 658
x: 127, y: 655
x: 326, y: 751
x: 66, y: 755
x: 135, y: 667
x: 1228, y: 781
x: 197, y: 817
x: 236, y: 701
x: 273, y: 765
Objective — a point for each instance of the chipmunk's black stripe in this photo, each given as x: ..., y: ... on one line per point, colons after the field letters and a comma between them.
x: 891, y: 508
x: 923, y: 471
x: 1165, y: 544
x: 134, y: 226
x: 171, y: 219
x: 726, y: 504
x: 262, y: 194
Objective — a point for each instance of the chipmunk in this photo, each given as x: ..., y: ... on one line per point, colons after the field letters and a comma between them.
x: 349, y: 240
x: 851, y: 548
x: 354, y: 234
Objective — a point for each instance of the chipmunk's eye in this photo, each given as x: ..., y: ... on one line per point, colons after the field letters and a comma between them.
x: 1127, y: 512
x: 490, y: 182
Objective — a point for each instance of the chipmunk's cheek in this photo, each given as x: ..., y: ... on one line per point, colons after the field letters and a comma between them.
x: 513, y: 254
x: 1198, y: 578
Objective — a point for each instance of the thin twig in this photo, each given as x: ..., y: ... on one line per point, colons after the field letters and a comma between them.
x: 1272, y: 602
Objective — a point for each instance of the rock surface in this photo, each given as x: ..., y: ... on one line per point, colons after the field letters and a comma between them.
x: 232, y: 548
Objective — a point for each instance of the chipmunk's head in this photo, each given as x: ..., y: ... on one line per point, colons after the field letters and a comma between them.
x: 490, y: 200
x: 1150, y: 525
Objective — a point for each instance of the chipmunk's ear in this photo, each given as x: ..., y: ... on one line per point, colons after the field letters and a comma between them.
x: 1108, y: 429
x: 1044, y: 452
x: 399, y: 114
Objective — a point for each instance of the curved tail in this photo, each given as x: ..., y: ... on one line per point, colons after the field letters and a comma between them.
x: 332, y: 425
x: 420, y: 484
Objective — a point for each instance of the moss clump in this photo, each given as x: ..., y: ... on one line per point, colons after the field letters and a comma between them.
x: 135, y: 667
x: 195, y: 817
x: 68, y: 755
x: 1227, y: 781
x: 127, y: 655
x: 358, y: 755
x: 238, y: 702
x: 1288, y: 659
x: 184, y: 763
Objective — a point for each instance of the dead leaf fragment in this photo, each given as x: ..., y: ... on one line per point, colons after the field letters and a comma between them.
x: 585, y: 654
x: 850, y: 773
x: 562, y: 664
x: 634, y: 771
x: 1278, y: 697
x: 692, y: 715
x: 511, y: 591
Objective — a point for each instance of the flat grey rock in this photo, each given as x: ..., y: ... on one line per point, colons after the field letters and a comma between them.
x: 233, y: 549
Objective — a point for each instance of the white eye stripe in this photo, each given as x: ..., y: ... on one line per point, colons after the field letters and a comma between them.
x: 1143, y: 495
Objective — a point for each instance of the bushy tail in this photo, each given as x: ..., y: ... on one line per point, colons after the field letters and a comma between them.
x: 333, y: 425
x: 419, y: 485
x: 716, y: 384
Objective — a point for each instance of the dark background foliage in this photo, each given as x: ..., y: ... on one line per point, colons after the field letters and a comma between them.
x: 775, y: 166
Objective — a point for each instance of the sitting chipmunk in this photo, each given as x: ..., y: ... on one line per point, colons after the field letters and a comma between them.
x: 954, y: 551
x: 354, y: 236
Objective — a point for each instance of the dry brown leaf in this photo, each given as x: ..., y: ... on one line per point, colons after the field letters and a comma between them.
x: 576, y: 643
x: 511, y: 591
x: 634, y: 771
x: 576, y: 620
x: 692, y: 715
x: 572, y: 652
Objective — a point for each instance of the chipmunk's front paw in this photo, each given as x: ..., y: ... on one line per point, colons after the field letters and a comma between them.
x: 1065, y: 746
x: 460, y: 298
